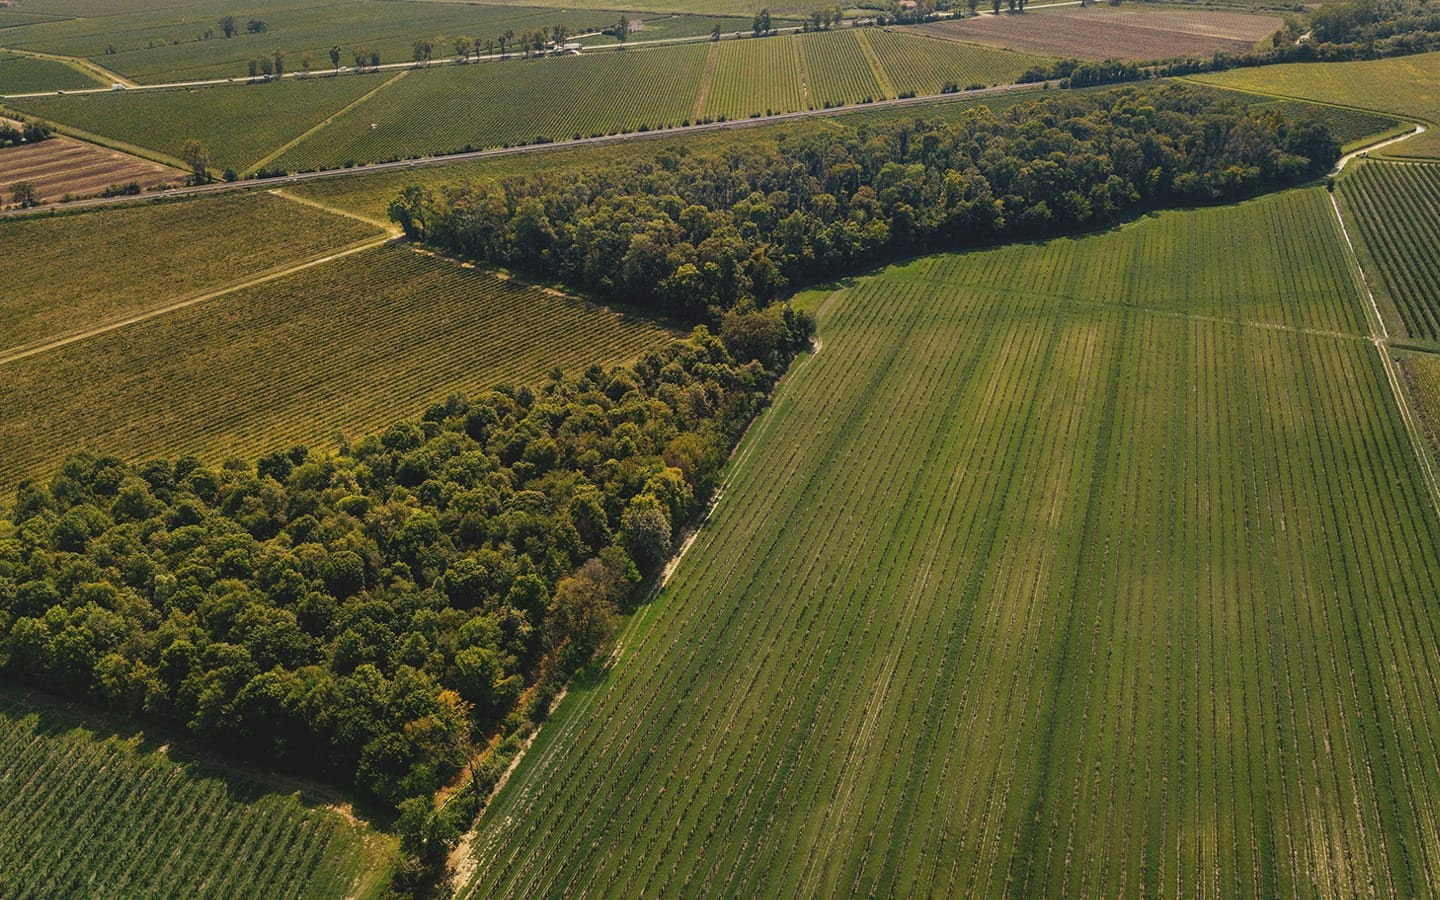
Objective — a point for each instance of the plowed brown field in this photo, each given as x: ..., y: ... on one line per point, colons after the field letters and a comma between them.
x: 61, y: 166
x: 1110, y: 33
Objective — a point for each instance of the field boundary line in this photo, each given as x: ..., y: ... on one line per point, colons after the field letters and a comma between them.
x: 93, y: 69
x: 1392, y: 376
x: 15, y: 354
x: 877, y: 68
x: 276, y: 154
x: 804, y: 76
x: 387, y: 227
x: 706, y: 80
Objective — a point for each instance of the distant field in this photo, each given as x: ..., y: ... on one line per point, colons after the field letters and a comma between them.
x: 917, y: 64
x: 21, y: 74
x: 1351, y: 127
x: 695, y: 7
x: 1133, y: 596
x: 158, y: 43
x: 1422, y: 377
x: 88, y: 812
x: 346, y: 347
x: 87, y: 270
x: 238, y: 124
x: 1406, y: 86
x: 1394, y: 213
x: 59, y: 166
x: 451, y: 108
x: 1125, y: 32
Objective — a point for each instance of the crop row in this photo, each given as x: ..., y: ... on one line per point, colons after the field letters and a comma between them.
x: 1031, y: 587
x: 754, y: 78
x: 85, y: 814
x: 837, y: 71
x: 348, y: 346
x: 1396, y: 209
x: 923, y: 65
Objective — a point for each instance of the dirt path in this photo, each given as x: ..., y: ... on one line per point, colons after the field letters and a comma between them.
x: 1366, y: 150
x: 1380, y: 338
x: 705, y: 81
x: 94, y: 70
x: 387, y: 227
x: 882, y: 77
x: 15, y: 354
x: 267, y: 160
x: 804, y: 76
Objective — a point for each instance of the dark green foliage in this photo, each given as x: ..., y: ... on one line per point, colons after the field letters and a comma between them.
x: 360, y: 617
x: 701, y: 236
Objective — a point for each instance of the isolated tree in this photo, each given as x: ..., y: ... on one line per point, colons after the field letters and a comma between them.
x: 622, y: 29
x: 489, y: 49
x: 972, y: 5
x: 558, y: 33
x: 360, y: 54
x: 761, y: 25
x: 254, y: 67
x: 24, y: 195
x: 227, y: 25
x: 277, y: 58
x: 463, y: 46
x: 374, y: 59
x: 257, y: 26
x: 997, y: 7
x: 715, y: 32
x: 335, y: 57
x: 267, y: 66
x: 197, y: 159
x: 306, y: 61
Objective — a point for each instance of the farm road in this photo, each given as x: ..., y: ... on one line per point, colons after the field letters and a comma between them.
x: 660, y: 134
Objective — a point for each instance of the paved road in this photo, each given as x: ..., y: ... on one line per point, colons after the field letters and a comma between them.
x: 267, y: 183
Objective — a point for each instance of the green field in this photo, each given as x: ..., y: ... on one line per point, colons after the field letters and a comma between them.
x: 238, y: 124
x: 1407, y: 86
x: 453, y: 108
x: 345, y: 347
x: 205, y: 245
x: 87, y: 811
x: 1394, y: 213
x: 837, y: 71
x: 924, y: 65
x: 21, y: 74
x: 755, y: 77
x: 1353, y: 128
x: 1046, y: 576
x: 157, y: 43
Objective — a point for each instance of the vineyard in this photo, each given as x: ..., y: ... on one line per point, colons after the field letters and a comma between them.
x: 1353, y: 128
x: 755, y: 78
x: 348, y: 346
x: 238, y: 124
x: 153, y: 44
x: 206, y: 245
x: 1403, y: 86
x: 1046, y: 576
x: 1395, y: 208
x: 1422, y: 380
x: 924, y: 65
x: 489, y: 105
x: 21, y: 74
x: 837, y: 70
x: 89, y: 813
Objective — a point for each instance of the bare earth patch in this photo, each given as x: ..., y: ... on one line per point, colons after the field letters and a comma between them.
x: 1112, y: 33
x: 61, y: 166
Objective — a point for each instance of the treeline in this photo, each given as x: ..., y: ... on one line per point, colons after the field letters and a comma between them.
x: 365, y: 616
x: 13, y: 134
x: 697, y: 235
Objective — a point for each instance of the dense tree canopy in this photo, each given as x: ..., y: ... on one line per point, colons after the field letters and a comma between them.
x: 360, y: 615
x: 697, y: 236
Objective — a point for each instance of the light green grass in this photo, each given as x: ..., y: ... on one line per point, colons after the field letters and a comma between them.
x: 1407, y: 86
x: 1393, y: 210
x: 348, y: 347
x: 87, y: 270
x: 239, y: 124
x: 453, y: 108
x: 1047, y: 575
x: 89, y: 811
x: 23, y: 74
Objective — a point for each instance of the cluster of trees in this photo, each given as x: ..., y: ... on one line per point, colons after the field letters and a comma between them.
x: 824, y: 18
x: 13, y: 134
x: 696, y: 235
x: 1084, y: 73
x: 363, y: 616
x: 268, y: 65
x: 230, y: 27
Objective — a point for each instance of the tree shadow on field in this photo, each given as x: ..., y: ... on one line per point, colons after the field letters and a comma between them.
x: 49, y: 716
